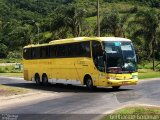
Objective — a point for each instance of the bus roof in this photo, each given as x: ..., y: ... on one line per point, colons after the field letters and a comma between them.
x: 78, y: 39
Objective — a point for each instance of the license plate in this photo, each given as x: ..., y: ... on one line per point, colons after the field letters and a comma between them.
x: 125, y: 83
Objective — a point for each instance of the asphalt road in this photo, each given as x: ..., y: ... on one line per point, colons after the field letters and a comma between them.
x: 76, y: 102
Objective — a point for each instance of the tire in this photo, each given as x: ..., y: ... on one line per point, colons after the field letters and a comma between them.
x: 89, y: 84
x: 37, y: 79
x: 44, y: 80
x: 115, y: 87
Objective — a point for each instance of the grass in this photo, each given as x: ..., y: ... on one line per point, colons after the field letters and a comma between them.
x: 11, y: 60
x: 134, y: 113
x: 147, y: 73
x: 145, y: 70
x: 6, y: 91
x: 148, y: 65
x: 12, y: 74
x: 10, y: 69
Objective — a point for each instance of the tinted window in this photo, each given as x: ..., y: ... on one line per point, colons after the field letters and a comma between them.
x: 71, y: 51
x: 26, y: 53
x: 61, y: 51
x: 35, y: 53
x: 53, y: 51
x: 97, y: 54
x: 44, y: 52
x: 83, y: 49
x: 79, y: 49
x: 96, y: 49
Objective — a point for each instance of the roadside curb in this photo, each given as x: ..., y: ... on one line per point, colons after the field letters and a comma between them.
x: 131, y: 105
x: 124, y: 106
x: 18, y: 96
x: 18, y: 78
x: 148, y: 79
x: 28, y: 99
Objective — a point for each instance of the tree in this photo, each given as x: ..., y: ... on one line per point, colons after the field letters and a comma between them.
x: 112, y: 23
x: 147, y: 25
x: 74, y: 19
x: 3, y: 50
x: 68, y: 21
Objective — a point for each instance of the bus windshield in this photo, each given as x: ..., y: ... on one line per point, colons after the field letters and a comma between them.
x: 120, y: 57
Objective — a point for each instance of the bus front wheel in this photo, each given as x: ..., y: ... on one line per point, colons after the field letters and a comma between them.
x: 44, y: 80
x: 89, y: 84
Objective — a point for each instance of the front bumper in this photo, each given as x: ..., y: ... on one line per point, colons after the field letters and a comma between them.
x: 122, y: 82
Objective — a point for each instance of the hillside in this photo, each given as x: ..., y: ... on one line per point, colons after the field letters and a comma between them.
x: 32, y: 21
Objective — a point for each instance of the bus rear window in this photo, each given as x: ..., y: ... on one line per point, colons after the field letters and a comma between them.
x: 27, y: 53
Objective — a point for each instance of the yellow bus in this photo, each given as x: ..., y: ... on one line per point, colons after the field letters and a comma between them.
x: 90, y: 61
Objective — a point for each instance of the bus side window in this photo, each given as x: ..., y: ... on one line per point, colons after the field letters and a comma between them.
x: 66, y: 48
x: 62, y: 51
x: 38, y: 52
x: 29, y: 53
x: 53, y: 51
x: 25, y: 53
x: 74, y: 50
x: 35, y: 53
x: 45, y: 52
x: 42, y: 52
x: 71, y: 50
x: 84, y: 49
x: 97, y: 54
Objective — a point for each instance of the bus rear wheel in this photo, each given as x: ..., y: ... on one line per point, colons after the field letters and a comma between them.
x: 115, y: 87
x: 44, y: 80
x: 37, y: 79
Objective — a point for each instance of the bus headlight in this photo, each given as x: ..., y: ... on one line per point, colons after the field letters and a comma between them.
x: 111, y: 78
x: 134, y: 77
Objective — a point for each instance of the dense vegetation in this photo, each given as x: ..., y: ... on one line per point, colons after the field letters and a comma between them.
x: 25, y: 22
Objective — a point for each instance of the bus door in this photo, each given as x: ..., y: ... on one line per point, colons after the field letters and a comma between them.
x: 97, y: 55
